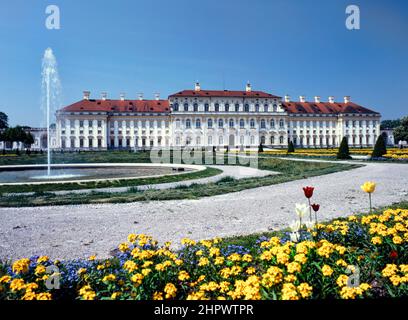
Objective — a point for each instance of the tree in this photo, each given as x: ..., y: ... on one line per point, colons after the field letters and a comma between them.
x: 344, y: 152
x: 390, y: 124
x: 3, y: 120
x: 17, y: 134
x: 401, y: 132
x: 379, y: 149
x: 260, y: 148
x: 291, y: 147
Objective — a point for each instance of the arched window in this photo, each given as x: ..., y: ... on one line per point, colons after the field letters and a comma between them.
x: 236, y: 107
x: 217, y: 107
x: 188, y: 140
x: 206, y: 107
x: 177, y: 141
x: 176, y: 107
x: 246, y: 107
x: 263, y: 139
x: 231, y: 123
x: 221, y: 140
x: 257, y: 108
x: 195, y: 106
x: 198, y: 141
x: 210, y: 123
x: 241, y: 140
x: 272, y: 123
x: 227, y: 107
x: 272, y: 139
x: 252, y: 140
x: 220, y: 123
x: 281, y: 140
x: 242, y: 123
x: 281, y: 123
x: 198, y: 123
x: 263, y: 126
x: 188, y: 123
x: 186, y: 107
x: 252, y: 123
x: 266, y: 107
x: 210, y: 140
x: 275, y: 108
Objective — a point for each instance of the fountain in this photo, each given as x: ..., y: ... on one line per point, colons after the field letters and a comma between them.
x: 51, y: 87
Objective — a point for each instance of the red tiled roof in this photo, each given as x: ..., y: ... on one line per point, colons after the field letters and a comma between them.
x: 91, y: 105
x: 223, y: 93
x: 325, y: 107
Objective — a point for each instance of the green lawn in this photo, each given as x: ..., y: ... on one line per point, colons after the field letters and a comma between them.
x: 290, y: 170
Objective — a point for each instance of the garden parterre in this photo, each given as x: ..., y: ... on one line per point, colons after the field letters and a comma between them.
x: 322, y: 264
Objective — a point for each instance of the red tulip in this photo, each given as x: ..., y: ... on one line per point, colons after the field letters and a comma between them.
x: 315, y: 207
x: 308, y: 192
x: 393, y: 254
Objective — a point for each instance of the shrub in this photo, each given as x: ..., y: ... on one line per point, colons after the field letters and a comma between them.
x: 380, y: 148
x: 260, y: 148
x: 344, y: 152
x: 291, y: 147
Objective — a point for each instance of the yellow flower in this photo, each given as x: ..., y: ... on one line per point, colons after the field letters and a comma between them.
x: 368, y: 187
x: 109, y: 277
x: 123, y: 247
x: 132, y: 238
x: 44, y: 296
x: 157, y: 296
x: 305, y: 290
x: 342, y: 280
x: 130, y: 266
x: 183, y: 275
x: 21, y: 266
x: 31, y: 286
x: 397, y: 240
x: 92, y: 258
x: 247, y: 258
x: 17, y: 285
x: 29, y: 296
x: 203, y: 262
x: 376, y: 240
x: 327, y: 270
x: 40, y: 269
x: 294, y: 267
x: 389, y: 270
x: 5, y: 279
x: 289, y: 292
x: 137, y: 278
x: 170, y: 290
x: 219, y: 260
x: 115, y: 295
x: 250, y: 270
x: 42, y: 259
x: 146, y: 272
x: 81, y: 271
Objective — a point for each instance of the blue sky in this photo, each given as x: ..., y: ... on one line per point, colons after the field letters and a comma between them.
x: 294, y: 47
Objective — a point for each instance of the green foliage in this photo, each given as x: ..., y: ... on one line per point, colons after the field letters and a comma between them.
x: 3, y: 120
x: 401, y: 132
x: 390, y: 124
x: 291, y: 147
x: 379, y: 149
x: 344, y: 152
x: 260, y: 148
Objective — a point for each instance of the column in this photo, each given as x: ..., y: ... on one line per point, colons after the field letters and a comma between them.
x: 116, y: 134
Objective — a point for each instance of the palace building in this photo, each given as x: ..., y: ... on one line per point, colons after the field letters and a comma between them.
x: 220, y: 118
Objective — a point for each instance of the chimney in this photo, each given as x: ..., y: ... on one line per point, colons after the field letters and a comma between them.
x: 157, y: 96
x: 140, y: 96
x: 86, y: 95
x: 197, y: 86
x: 347, y: 99
x: 287, y: 98
x: 317, y: 99
x: 248, y: 87
x: 331, y: 99
x: 302, y: 98
x: 122, y: 97
x: 104, y: 96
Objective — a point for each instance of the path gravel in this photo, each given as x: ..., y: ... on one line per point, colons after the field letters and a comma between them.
x: 78, y: 231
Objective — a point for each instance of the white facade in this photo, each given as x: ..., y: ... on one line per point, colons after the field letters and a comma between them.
x: 231, y: 119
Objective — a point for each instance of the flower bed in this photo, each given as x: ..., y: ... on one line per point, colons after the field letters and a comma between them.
x: 348, y: 258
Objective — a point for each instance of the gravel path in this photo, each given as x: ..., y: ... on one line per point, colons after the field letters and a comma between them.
x: 78, y: 231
